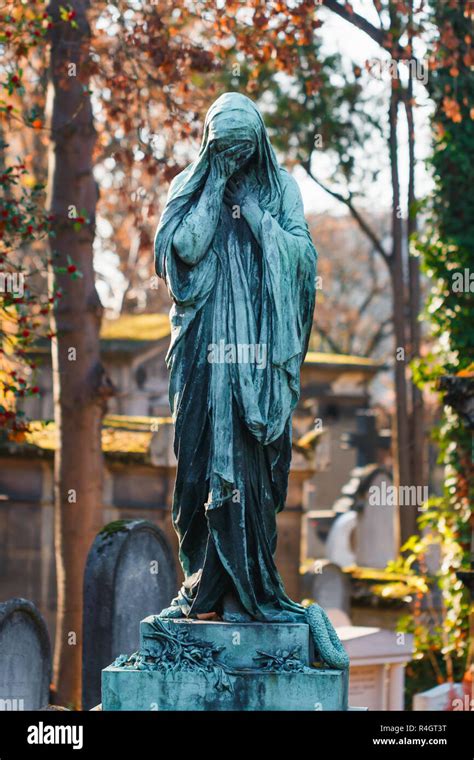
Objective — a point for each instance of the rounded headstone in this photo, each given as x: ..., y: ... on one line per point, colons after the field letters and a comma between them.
x: 331, y: 588
x: 130, y: 574
x: 339, y: 544
x: 25, y: 657
x: 376, y: 534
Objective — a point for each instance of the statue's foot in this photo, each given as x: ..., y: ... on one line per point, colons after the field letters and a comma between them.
x: 208, y: 616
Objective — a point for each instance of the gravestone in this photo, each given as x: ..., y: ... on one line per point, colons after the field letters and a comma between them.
x: 316, y: 528
x: 377, y: 671
x: 446, y: 696
x: 197, y: 665
x: 362, y: 533
x: 330, y: 587
x: 366, y: 439
x: 25, y: 657
x: 340, y: 540
x: 161, y: 449
x: 376, y: 534
x: 369, y: 533
x: 130, y: 574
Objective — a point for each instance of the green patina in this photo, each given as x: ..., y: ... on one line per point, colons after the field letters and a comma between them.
x: 235, y: 252
x: 194, y: 665
x: 234, y: 249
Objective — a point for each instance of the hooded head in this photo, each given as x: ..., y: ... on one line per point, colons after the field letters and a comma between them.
x: 232, y: 119
x: 227, y: 128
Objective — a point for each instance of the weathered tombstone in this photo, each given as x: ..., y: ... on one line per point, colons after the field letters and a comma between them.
x: 340, y: 540
x: 161, y: 449
x: 331, y: 587
x: 446, y: 696
x: 366, y: 439
x: 370, y: 494
x: 377, y: 671
x: 130, y: 574
x: 25, y: 657
x: 376, y: 533
x: 316, y: 527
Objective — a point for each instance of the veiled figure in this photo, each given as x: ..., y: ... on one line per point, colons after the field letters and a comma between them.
x: 235, y: 252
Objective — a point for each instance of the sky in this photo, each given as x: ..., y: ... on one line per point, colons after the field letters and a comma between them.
x: 356, y: 47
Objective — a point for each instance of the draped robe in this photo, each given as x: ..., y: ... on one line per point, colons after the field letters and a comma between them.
x: 233, y: 418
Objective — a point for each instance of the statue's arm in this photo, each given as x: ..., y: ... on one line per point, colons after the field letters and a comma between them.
x: 253, y: 215
x: 293, y: 226
x: 194, y: 235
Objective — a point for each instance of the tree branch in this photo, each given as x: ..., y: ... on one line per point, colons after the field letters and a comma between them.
x: 378, y: 336
x: 356, y: 19
x: 375, y: 33
x: 365, y: 227
x: 376, y: 291
x: 325, y: 336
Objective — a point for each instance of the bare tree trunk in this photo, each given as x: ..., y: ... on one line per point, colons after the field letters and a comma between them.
x: 401, y: 427
x: 79, y: 380
x: 417, y: 434
x: 408, y: 454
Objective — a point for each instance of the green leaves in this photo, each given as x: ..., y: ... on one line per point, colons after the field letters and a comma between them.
x: 68, y: 15
x: 281, y: 660
x: 439, y: 621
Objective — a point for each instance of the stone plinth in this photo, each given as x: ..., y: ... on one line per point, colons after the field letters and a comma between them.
x: 201, y: 665
x: 139, y: 690
x: 240, y: 642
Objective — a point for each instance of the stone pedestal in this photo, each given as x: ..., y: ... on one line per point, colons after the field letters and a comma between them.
x: 202, y: 665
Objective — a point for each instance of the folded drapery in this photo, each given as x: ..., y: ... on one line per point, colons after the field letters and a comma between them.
x: 241, y: 320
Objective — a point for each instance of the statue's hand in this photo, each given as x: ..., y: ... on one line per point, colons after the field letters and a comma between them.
x: 239, y: 194
x: 224, y: 163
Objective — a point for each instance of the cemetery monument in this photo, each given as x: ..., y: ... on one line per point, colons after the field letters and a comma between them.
x: 235, y: 252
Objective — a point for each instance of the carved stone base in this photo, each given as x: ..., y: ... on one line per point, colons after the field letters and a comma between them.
x: 138, y: 690
x: 202, y: 665
x: 237, y: 644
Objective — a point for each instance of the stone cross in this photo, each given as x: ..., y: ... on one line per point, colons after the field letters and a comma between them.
x: 365, y: 439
